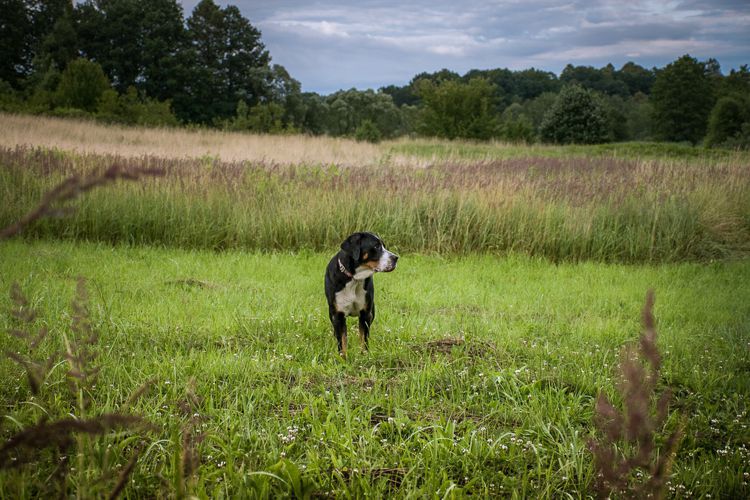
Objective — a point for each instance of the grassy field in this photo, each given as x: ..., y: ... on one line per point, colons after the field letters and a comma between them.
x: 523, y: 274
x: 488, y: 151
x: 481, y: 377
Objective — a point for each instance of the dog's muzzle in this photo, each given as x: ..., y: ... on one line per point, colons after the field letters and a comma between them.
x: 387, y: 262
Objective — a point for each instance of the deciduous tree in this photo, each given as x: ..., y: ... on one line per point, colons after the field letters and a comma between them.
x: 348, y: 109
x: 453, y: 109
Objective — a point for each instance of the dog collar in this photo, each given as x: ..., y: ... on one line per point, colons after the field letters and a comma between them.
x: 344, y: 270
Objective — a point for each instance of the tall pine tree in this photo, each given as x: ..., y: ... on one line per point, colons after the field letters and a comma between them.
x: 15, y: 42
x: 230, y: 62
x: 682, y: 97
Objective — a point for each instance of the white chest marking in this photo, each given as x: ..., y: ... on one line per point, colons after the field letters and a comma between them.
x: 351, y: 299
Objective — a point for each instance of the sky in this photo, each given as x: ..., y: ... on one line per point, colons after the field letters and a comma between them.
x: 335, y: 45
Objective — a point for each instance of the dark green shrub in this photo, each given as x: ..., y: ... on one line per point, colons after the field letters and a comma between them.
x: 344, y: 111
x: 9, y: 98
x: 367, y: 132
x: 576, y: 117
x: 615, y: 108
x: 131, y: 109
x: 241, y: 120
x: 81, y: 85
x: 741, y: 140
x: 638, y: 116
x: 516, y: 126
x: 111, y: 109
x: 726, y: 120
x: 536, y: 108
x: 266, y: 118
x: 453, y: 109
x: 152, y: 112
x: 66, y: 112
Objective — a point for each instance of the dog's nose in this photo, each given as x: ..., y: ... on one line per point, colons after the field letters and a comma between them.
x: 395, y: 258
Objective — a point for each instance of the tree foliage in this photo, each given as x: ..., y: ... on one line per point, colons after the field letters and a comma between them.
x: 682, y: 98
x: 228, y: 60
x: 637, y: 78
x: 139, y: 43
x: 453, y: 109
x: 725, y: 124
x: 402, y: 96
x: 737, y: 82
x: 82, y: 84
x: 346, y: 110
x: 14, y: 42
x: 576, y: 117
x: 516, y: 126
x: 133, y: 109
x: 729, y: 121
x: 110, y: 36
x: 24, y: 24
x: 212, y: 68
x: 60, y: 46
x: 604, y: 80
x: 367, y: 131
x: 638, y: 114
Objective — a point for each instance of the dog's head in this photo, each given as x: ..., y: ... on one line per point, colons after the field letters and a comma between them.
x: 369, y: 254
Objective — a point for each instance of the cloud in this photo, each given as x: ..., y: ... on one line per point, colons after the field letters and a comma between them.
x: 324, y: 28
x: 371, y: 43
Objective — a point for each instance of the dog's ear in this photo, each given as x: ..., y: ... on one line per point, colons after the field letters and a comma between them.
x: 352, y: 245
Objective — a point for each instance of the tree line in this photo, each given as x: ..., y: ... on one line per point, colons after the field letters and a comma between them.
x: 143, y: 62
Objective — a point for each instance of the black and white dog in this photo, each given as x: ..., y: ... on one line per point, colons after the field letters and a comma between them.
x: 349, y: 287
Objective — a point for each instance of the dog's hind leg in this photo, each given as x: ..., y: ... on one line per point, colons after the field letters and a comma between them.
x: 339, y: 330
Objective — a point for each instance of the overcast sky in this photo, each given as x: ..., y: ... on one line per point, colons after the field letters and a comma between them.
x: 328, y: 46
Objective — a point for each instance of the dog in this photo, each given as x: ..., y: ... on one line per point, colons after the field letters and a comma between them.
x: 348, y: 284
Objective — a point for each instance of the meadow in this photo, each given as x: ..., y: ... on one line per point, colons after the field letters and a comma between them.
x: 523, y: 273
x: 91, y: 137
x: 573, y: 208
x: 482, y: 372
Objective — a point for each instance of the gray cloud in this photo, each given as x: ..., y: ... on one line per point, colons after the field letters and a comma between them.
x: 340, y: 44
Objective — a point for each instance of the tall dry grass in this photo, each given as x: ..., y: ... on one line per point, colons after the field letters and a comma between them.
x: 92, y: 137
x: 562, y: 208
x: 88, y: 136
x: 629, y: 458
x: 54, y: 201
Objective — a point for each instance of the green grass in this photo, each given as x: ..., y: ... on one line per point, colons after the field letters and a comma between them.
x: 483, y: 151
x: 507, y: 412
x: 570, y: 209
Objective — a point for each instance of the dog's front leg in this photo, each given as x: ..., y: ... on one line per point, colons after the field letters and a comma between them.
x: 339, y: 330
x: 365, y: 320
